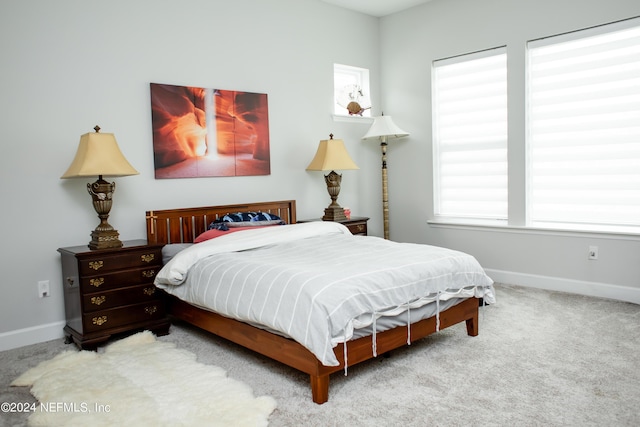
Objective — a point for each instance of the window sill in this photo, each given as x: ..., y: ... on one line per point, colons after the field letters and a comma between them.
x: 503, y: 227
x: 352, y: 119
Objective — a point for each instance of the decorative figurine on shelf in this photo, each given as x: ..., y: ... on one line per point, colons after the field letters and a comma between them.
x: 353, y: 99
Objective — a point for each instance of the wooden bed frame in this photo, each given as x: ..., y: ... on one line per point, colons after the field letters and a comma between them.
x: 184, y: 225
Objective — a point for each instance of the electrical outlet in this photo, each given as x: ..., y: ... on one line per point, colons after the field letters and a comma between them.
x: 43, y: 288
x: 593, y: 252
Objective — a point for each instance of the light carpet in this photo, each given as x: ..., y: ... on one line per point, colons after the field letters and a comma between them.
x: 140, y: 381
x: 542, y: 359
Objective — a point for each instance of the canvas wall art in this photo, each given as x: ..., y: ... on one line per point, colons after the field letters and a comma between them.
x: 199, y: 132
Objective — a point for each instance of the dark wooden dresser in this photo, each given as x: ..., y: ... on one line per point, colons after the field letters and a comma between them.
x: 356, y: 224
x: 111, y: 291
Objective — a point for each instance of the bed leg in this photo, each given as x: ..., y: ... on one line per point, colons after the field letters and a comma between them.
x: 320, y: 388
x: 472, y: 325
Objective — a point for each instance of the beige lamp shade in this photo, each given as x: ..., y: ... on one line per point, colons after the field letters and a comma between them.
x: 99, y: 154
x: 331, y: 155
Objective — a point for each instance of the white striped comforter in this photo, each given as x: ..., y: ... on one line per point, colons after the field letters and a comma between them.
x: 314, y: 281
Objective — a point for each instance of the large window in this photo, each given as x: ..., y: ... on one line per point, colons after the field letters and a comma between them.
x: 470, y: 136
x: 584, y: 128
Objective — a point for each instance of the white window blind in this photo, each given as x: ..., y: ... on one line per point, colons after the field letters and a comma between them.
x: 584, y: 128
x: 470, y: 136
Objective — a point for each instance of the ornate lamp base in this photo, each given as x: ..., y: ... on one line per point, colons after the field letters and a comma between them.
x: 104, y: 236
x: 103, y: 239
x: 334, y: 213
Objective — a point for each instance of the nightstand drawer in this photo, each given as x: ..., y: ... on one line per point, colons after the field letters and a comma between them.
x: 358, y: 228
x: 131, y: 259
x: 357, y: 225
x: 127, y: 315
x: 125, y: 296
x: 119, y: 279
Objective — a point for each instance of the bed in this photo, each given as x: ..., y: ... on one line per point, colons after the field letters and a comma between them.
x: 388, y: 326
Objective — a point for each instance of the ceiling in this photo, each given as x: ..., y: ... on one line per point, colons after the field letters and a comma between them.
x: 377, y: 8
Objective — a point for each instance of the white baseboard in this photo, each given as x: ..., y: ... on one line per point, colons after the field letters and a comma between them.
x: 32, y: 335
x: 593, y: 289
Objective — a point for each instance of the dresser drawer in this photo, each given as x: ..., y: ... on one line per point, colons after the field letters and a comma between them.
x: 126, y: 296
x: 119, y: 279
x: 127, y: 315
x: 131, y: 259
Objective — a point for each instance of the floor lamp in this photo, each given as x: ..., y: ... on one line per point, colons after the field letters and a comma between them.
x: 382, y: 129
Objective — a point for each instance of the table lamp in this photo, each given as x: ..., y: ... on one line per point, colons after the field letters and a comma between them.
x: 99, y: 154
x: 332, y: 155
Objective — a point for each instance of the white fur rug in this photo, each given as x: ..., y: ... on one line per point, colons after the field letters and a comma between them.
x: 139, y: 381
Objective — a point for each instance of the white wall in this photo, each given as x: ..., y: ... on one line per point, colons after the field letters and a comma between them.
x: 69, y: 65
x: 442, y: 28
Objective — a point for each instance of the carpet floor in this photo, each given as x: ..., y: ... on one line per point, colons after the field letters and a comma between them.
x: 541, y: 359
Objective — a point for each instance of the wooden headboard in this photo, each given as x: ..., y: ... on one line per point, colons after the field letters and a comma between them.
x: 184, y: 225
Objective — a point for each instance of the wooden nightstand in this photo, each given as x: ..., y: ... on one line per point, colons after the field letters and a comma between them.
x: 110, y: 291
x: 356, y: 224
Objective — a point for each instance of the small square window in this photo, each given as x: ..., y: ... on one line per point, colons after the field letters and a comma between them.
x: 351, y: 91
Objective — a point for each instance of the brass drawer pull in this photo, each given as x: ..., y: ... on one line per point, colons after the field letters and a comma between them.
x: 147, y: 257
x: 96, y: 282
x: 96, y: 265
x: 98, y: 300
x: 149, y: 291
x: 360, y: 227
x: 149, y: 273
x: 150, y: 310
x: 100, y: 320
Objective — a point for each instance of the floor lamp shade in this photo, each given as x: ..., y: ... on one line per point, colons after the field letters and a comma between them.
x: 332, y: 155
x: 381, y: 130
x: 98, y: 155
x: 384, y: 127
